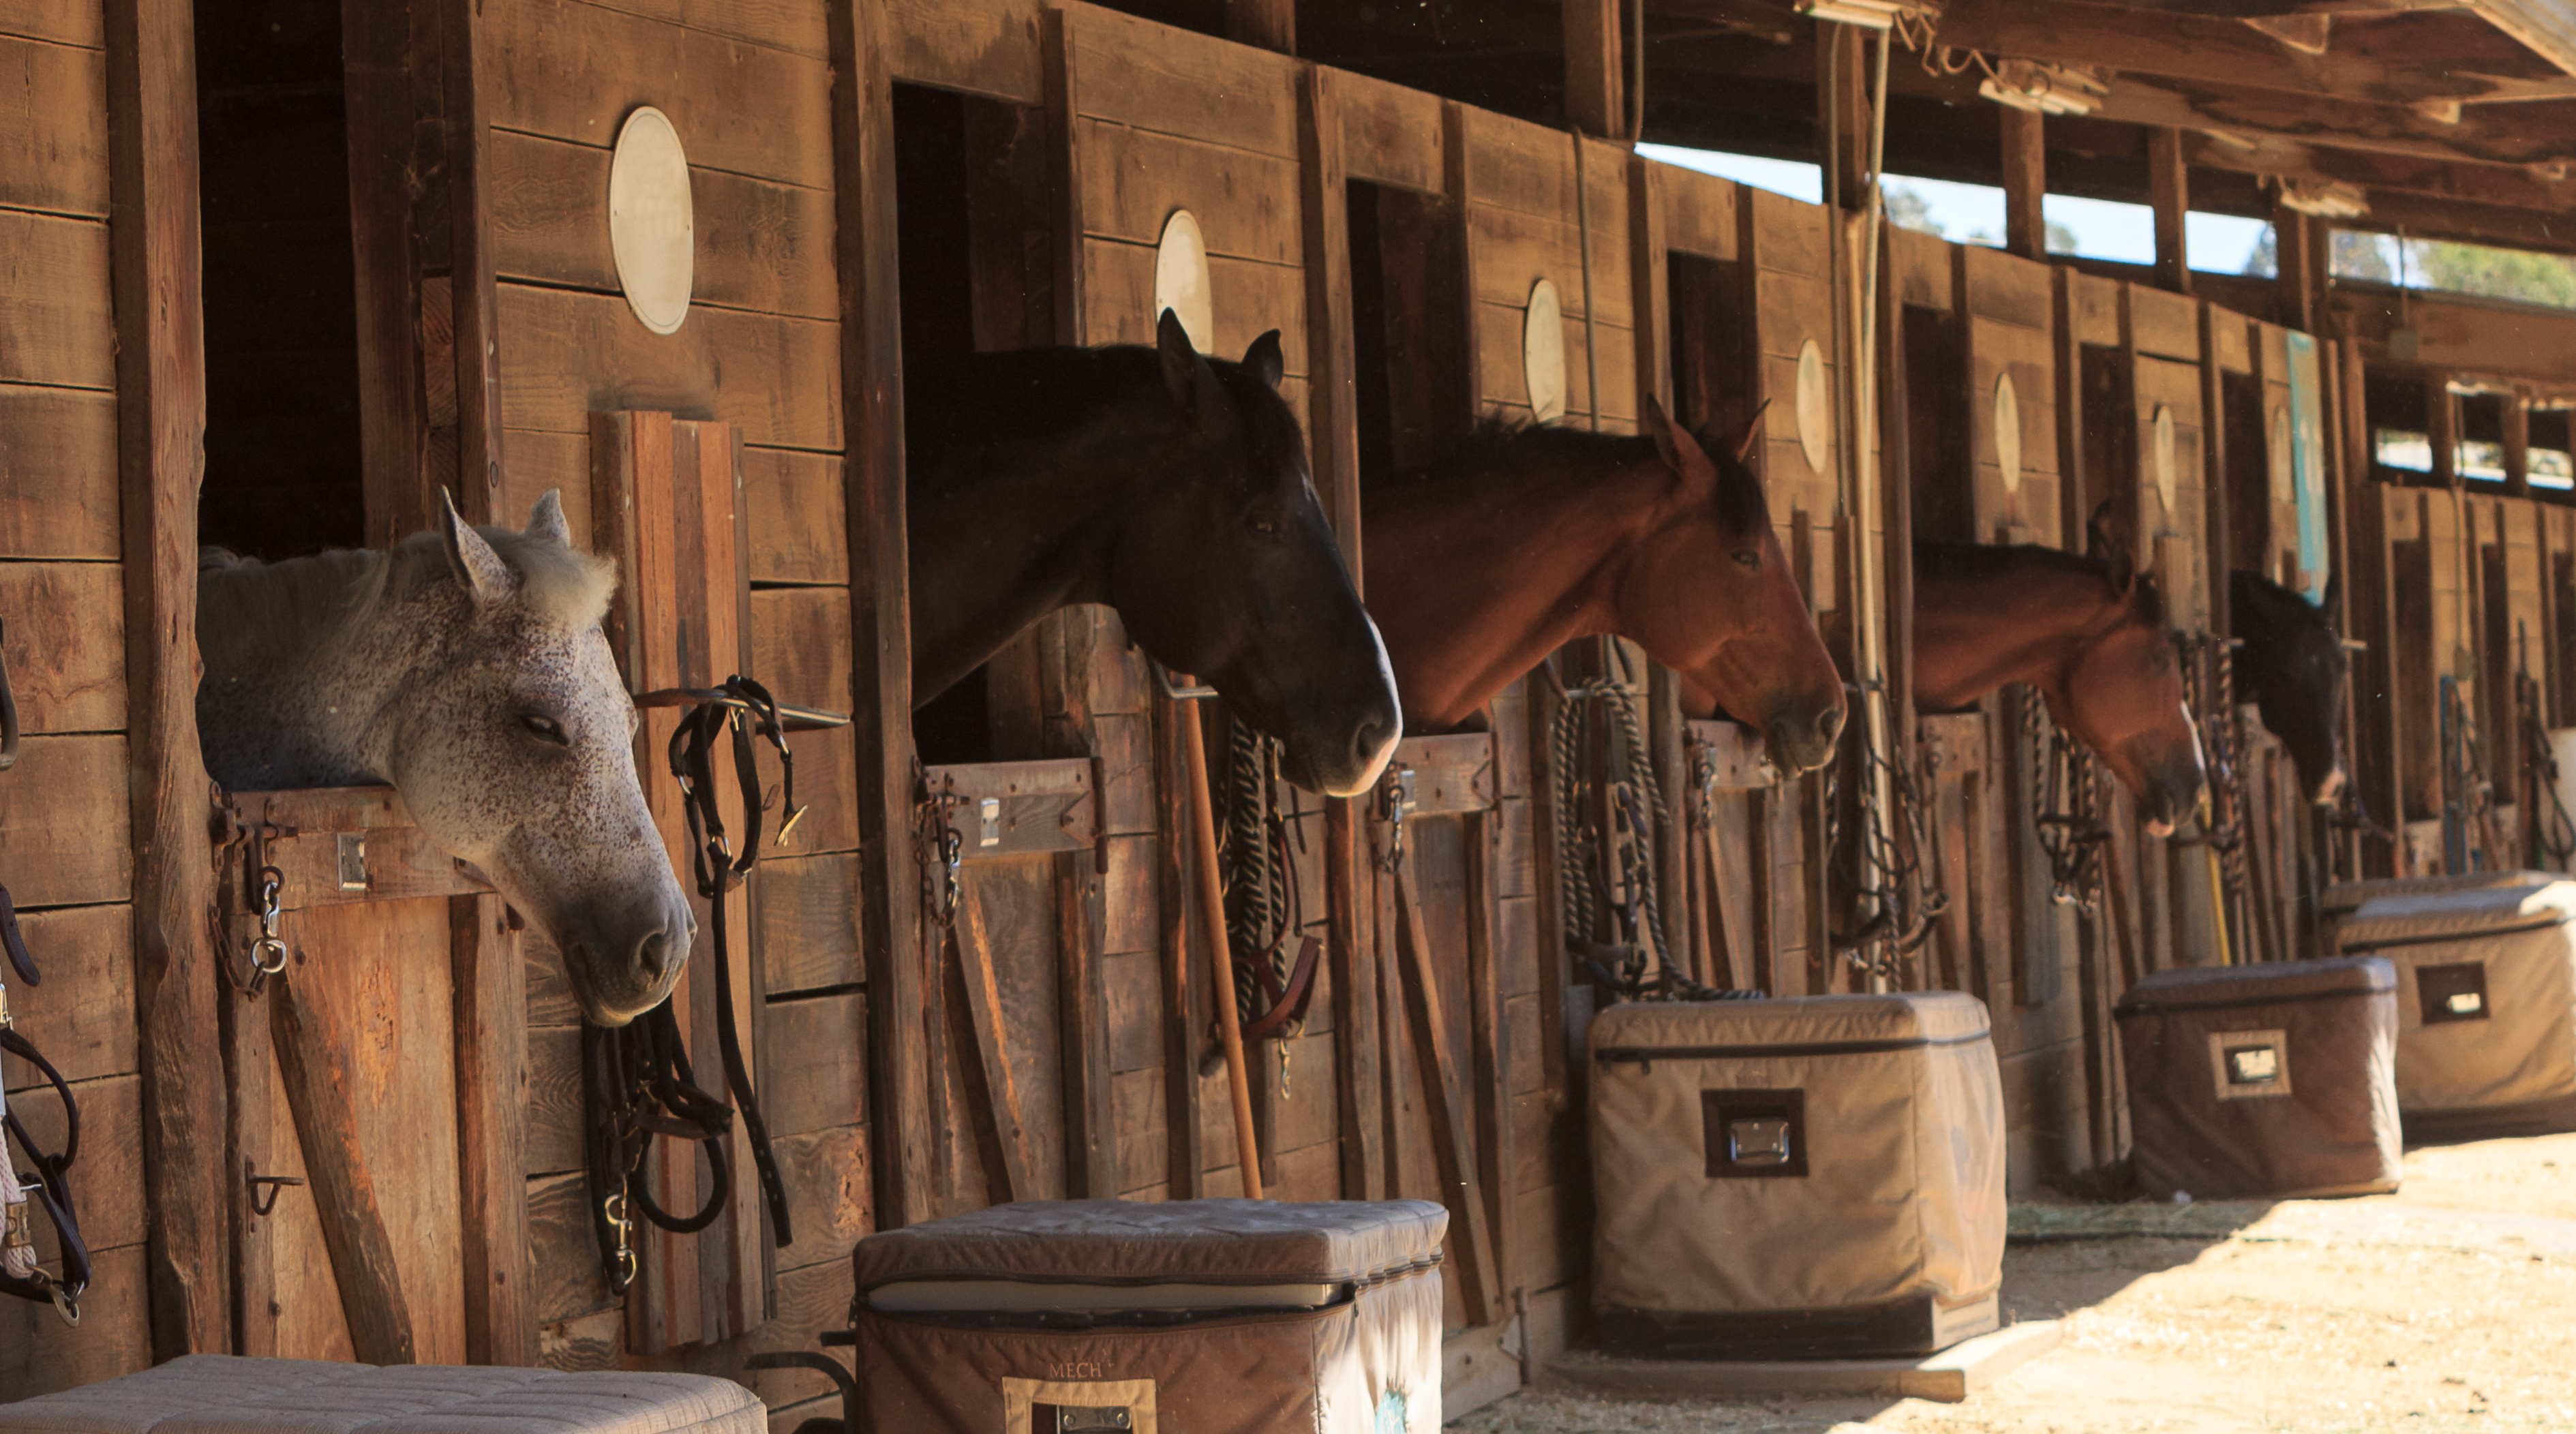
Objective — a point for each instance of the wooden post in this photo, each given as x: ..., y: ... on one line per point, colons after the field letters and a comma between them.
x: 1842, y: 113
x: 2025, y: 183
x: 491, y: 1130
x: 2297, y: 280
x: 314, y: 1066
x: 880, y: 608
x: 2517, y: 445
x: 1270, y: 24
x: 1596, y: 88
x: 161, y: 423
x: 475, y: 305
x: 392, y: 392
x: 2442, y: 427
x: 2169, y: 185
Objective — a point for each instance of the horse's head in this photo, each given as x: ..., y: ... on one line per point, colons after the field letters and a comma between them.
x: 1228, y: 570
x: 514, y: 749
x: 2294, y: 664
x: 1711, y: 595
x: 2122, y: 696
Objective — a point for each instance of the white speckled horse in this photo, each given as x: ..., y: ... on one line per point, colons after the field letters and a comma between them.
x: 466, y: 667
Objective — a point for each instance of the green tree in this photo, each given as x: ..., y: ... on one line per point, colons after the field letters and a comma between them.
x: 1908, y: 209
x: 2513, y: 274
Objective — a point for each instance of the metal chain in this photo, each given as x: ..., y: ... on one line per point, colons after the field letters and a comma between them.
x: 2222, y: 747
x: 938, y: 848
x: 2063, y: 793
x: 1887, y: 864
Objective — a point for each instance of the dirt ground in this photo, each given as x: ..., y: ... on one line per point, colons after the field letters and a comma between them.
x: 2448, y: 1306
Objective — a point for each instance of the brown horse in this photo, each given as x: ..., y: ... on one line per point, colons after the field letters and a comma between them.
x: 1528, y: 538
x: 2088, y: 632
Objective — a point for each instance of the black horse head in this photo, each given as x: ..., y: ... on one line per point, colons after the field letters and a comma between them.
x: 2294, y: 665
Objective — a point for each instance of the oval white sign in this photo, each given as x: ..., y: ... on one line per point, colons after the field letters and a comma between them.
x: 652, y: 221
x: 1181, y: 279
x: 1543, y: 353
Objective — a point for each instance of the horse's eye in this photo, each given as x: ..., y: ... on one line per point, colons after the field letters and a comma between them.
x: 544, y: 729
x: 1265, y: 527
x: 1748, y: 558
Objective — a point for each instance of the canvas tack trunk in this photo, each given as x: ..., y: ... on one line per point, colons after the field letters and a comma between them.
x: 2267, y: 1080
x: 2343, y: 898
x: 2486, y: 1005
x: 1122, y: 1317
x: 1797, y: 1178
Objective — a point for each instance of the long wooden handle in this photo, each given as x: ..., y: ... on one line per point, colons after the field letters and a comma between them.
x: 1212, y: 913
x: 313, y: 1062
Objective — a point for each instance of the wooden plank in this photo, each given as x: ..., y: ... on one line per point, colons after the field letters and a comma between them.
x: 813, y: 1063
x: 491, y: 1130
x: 82, y: 1017
x: 987, y: 47
x: 569, y: 70
x: 57, y: 473
x: 881, y: 623
x: 806, y: 913
x: 997, y: 1098
x: 1189, y: 1149
x: 1451, y: 774
x: 313, y: 1057
x: 792, y: 25
x: 1247, y: 298
x: 1039, y: 806
x: 1596, y: 81
x: 53, y: 127
x: 1244, y: 202
x: 2169, y: 187
x: 1157, y: 77
x: 799, y: 528
x: 1084, y: 1041
x: 1388, y: 134
x: 39, y: 1354
x: 1453, y: 1140
x: 567, y: 355
x: 760, y: 245
x: 2025, y: 183
x: 55, y: 323
x: 65, y: 641
x: 465, y: 73
x: 567, y: 1279
x: 158, y: 366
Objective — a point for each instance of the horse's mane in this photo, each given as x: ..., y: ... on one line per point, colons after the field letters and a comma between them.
x: 1046, y: 393
x: 251, y: 612
x: 1983, y: 562
x: 1499, y: 446
x: 2286, y: 601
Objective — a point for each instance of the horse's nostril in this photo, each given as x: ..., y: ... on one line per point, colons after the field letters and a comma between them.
x: 1829, y: 724
x: 653, y: 955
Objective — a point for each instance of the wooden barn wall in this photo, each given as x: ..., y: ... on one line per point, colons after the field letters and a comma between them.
x: 748, y: 88
x: 65, y: 853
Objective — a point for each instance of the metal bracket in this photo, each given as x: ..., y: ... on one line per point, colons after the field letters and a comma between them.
x: 262, y: 1202
x: 989, y: 810
x: 1163, y: 679
x: 353, y: 861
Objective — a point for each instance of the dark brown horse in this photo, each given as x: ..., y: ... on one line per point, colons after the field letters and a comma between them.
x: 2293, y: 665
x: 1171, y: 488
x: 1528, y: 538
x: 2089, y: 632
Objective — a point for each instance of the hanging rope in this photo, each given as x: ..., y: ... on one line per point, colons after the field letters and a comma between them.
x: 1257, y: 854
x: 1614, y: 918
x: 2553, y: 828
x: 2064, y: 805
x: 1887, y: 864
x: 2209, y: 692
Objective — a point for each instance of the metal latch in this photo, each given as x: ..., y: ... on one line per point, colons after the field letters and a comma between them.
x: 353, y: 861
x: 1072, y: 1420
x: 990, y: 809
x: 2253, y: 1065
x: 1759, y: 1141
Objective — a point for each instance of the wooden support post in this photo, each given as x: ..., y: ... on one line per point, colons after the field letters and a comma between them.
x: 1270, y: 24
x: 1596, y: 90
x: 1452, y: 1139
x: 2442, y: 424
x: 1090, y: 1116
x: 1842, y: 113
x: 2297, y: 283
x: 2169, y: 188
x: 880, y: 608
x: 2025, y: 183
x: 1184, y: 1037
x: 475, y: 304
x: 2517, y: 445
x: 161, y: 422
x: 393, y: 421
x: 314, y: 1066
x: 491, y: 998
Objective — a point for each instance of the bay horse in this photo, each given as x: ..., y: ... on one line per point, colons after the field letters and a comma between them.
x: 466, y: 667
x: 2088, y: 632
x: 2293, y: 664
x: 1172, y: 488
x: 1529, y: 537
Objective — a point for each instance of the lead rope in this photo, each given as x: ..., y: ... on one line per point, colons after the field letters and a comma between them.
x: 1263, y: 908
x: 2063, y: 794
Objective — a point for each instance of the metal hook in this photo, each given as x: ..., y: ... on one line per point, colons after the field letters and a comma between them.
x: 263, y: 1206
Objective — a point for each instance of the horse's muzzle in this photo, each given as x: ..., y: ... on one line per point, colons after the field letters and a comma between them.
x: 1805, y: 741
x: 614, y: 992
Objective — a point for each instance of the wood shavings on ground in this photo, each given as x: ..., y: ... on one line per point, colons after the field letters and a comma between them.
x: 2447, y: 1308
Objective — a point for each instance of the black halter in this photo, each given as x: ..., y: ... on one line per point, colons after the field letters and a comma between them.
x: 48, y: 1185
x: 638, y: 1080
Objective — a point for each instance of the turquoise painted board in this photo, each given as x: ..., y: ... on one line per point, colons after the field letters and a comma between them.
x: 2307, y: 464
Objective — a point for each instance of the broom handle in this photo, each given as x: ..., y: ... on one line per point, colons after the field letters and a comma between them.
x: 1229, y: 1023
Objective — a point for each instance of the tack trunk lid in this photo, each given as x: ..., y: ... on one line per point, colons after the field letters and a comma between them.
x: 2486, y: 1004
x: 2264, y: 1080
x: 1820, y: 1176
x: 1224, y: 1316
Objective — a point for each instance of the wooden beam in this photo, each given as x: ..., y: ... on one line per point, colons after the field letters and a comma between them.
x: 491, y: 1037
x: 2493, y: 134
x: 2397, y: 60
x: 2298, y: 279
x: 1452, y: 1136
x: 2025, y: 161
x: 2504, y: 185
x: 1596, y: 91
x: 2169, y: 187
x: 320, y: 1079
x: 474, y: 302
x: 2463, y: 335
x: 881, y: 608
x: 2429, y: 218
x: 2545, y: 27
x: 161, y: 423
x: 393, y: 423
x: 1270, y: 24
x: 2442, y: 420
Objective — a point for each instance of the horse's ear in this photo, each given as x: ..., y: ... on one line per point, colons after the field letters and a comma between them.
x: 2332, y: 605
x: 1264, y: 361
x: 1739, y: 443
x: 546, y: 520
x: 478, y: 569
x: 1668, y: 436
x: 2104, y: 546
x: 1181, y: 362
